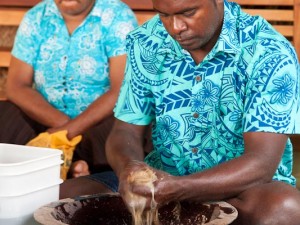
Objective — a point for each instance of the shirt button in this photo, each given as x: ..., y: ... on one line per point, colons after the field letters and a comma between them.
x: 198, y: 78
x: 194, y: 150
x: 64, y: 83
x: 196, y: 115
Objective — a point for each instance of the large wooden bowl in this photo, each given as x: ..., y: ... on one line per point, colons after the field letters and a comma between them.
x: 109, y: 209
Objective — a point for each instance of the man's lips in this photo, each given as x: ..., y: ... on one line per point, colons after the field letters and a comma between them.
x: 184, y: 41
x: 182, y: 38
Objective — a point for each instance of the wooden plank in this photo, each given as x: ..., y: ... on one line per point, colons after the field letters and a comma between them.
x: 11, y: 16
x: 287, y: 31
x: 265, y: 2
x: 273, y: 15
x: 147, y: 4
x: 5, y: 57
x: 23, y: 3
x: 143, y: 16
x: 139, y: 4
x: 297, y: 27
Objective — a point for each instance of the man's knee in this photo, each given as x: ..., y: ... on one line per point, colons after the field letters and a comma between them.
x: 269, y: 204
x: 283, y: 209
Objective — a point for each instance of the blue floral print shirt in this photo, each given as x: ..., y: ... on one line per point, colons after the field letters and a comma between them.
x: 71, y: 71
x: 249, y: 82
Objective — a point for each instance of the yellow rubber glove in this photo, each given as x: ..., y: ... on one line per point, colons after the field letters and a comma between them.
x: 58, y: 140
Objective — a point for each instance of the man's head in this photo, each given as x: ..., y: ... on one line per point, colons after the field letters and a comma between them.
x: 74, y: 7
x: 195, y: 24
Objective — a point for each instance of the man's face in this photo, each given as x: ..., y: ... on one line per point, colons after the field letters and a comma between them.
x: 74, y: 7
x: 193, y: 23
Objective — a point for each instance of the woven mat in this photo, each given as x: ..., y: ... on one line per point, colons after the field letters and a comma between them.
x: 3, y: 74
x: 7, y: 36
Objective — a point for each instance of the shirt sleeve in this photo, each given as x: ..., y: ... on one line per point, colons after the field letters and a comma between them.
x: 123, y: 22
x: 272, y: 98
x: 135, y: 104
x: 25, y: 44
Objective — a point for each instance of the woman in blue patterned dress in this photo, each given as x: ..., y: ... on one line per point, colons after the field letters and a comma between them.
x: 73, y: 53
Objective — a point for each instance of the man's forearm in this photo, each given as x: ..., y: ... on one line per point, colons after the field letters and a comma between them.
x: 226, y: 180
x: 123, y: 147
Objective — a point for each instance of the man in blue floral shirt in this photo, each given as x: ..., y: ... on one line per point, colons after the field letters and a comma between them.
x: 73, y: 53
x: 222, y: 91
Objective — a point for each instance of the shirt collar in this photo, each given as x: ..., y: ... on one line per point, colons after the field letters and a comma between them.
x: 228, y: 40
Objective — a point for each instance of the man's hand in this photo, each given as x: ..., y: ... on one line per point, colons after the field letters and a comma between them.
x: 165, y: 185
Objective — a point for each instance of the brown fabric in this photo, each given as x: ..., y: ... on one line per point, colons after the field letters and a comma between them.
x: 17, y: 128
x: 7, y: 36
x: 92, y: 147
x: 3, y: 75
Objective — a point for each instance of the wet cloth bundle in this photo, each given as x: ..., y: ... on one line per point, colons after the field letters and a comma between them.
x: 136, y: 204
x: 58, y: 140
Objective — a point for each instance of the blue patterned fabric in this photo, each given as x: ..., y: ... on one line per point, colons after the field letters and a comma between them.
x: 249, y: 82
x: 71, y: 71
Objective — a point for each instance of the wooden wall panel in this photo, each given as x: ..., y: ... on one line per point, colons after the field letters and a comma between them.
x: 139, y: 4
x: 24, y: 3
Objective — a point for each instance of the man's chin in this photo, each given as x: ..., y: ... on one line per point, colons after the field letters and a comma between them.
x: 188, y: 47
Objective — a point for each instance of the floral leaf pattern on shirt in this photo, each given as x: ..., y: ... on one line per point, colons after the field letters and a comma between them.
x: 167, y: 128
x: 283, y: 90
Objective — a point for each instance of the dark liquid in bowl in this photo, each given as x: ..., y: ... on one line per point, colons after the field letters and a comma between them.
x: 111, y: 210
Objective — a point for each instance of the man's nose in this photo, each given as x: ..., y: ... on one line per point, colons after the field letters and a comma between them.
x: 178, y: 25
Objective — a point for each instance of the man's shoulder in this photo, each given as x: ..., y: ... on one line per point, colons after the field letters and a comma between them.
x: 249, y: 27
x: 261, y: 36
x: 256, y: 35
x: 152, y: 30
